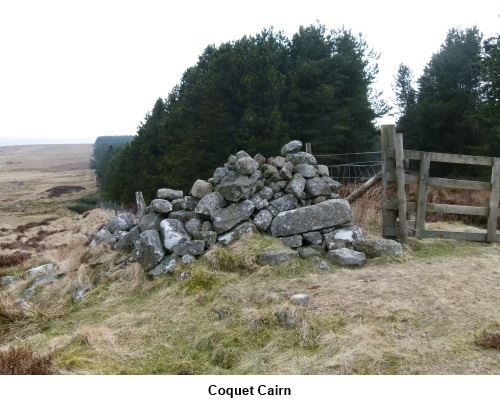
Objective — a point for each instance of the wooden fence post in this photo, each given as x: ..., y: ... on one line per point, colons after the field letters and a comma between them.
x: 308, y: 148
x: 422, y: 194
x: 493, y: 205
x: 401, y: 183
x: 389, y: 215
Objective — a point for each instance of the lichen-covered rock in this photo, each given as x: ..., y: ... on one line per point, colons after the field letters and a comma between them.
x: 296, y: 186
x: 80, y: 292
x: 209, y: 237
x: 8, y: 280
x: 177, y: 204
x: 343, y: 237
x: 207, y: 226
x: 241, y: 154
x: 317, y: 186
x: 378, y: 247
x: 122, y: 222
x: 286, y: 171
x: 190, y: 247
x: 166, y: 265
x: 275, y: 257
x: 219, y: 174
x: 334, y: 185
x: 148, y: 250
x: 346, y: 257
x: 313, y: 238
x: 263, y: 219
x: 173, y: 232
x: 299, y: 158
x: 246, y: 165
x: 278, y: 162
x: 305, y: 252
x: 285, y: 203
x: 141, y: 204
x: 259, y: 202
x: 127, y: 240
x: 300, y: 300
x: 183, y: 215
x: 291, y: 147
x: 186, y: 259
x: 259, y: 159
x: 193, y: 225
x: 293, y: 241
x: 102, y: 236
x: 236, y: 233
x: 322, y: 170
x: 210, y: 203
x: 189, y: 203
x: 224, y: 219
x: 161, y: 206
x: 151, y: 221
x: 43, y: 269
x: 201, y: 188
x: 169, y: 194
x: 306, y: 171
x: 236, y: 186
x: 312, y: 218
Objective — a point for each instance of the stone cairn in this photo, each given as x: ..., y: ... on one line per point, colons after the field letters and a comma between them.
x: 290, y: 197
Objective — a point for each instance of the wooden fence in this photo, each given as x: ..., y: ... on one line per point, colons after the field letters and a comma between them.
x: 394, y: 181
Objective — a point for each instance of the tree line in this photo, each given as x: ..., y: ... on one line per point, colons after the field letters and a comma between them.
x: 254, y: 94
x: 259, y: 92
x: 454, y: 106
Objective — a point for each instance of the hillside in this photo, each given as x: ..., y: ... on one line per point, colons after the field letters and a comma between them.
x: 420, y: 314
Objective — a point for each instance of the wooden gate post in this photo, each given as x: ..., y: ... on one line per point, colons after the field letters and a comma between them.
x: 401, y: 182
x: 493, y: 205
x: 389, y: 215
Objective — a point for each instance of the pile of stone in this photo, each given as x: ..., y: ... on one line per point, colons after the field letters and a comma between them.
x: 288, y: 196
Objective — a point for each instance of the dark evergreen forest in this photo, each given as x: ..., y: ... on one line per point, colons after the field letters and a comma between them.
x: 259, y: 92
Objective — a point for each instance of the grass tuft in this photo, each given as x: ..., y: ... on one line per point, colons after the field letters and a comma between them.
x: 22, y: 361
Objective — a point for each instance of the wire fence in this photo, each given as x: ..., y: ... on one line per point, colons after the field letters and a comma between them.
x: 352, y: 167
x: 113, y: 206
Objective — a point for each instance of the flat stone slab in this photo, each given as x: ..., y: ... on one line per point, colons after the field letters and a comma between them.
x: 346, y: 257
x: 275, y: 257
x: 378, y: 247
x: 312, y: 218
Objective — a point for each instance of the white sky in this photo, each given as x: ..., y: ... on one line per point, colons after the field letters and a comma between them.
x: 74, y: 70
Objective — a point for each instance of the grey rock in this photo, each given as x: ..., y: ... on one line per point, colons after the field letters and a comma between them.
x: 148, y: 249
x: 224, y: 219
x: 286, y: 171
x: 273, y: 211
x: 184, y: 275
x: 177, y: 204
x: 246, y: 165
x: 278, y: 162
x: 319, y: 199
x: 299, y: 158
x: 379, y: 247
x: 291, y: 147
x: 210, y: 203
x: 183, y: 215
x: 296, y: 186
x: 80, y: 292
x: 190, y: 247
x: 293, y: 241
x: 161, y: 206
x: 43, y: 269
x: 276, y: 257
x: 237, y: 186
x: 209, y: 237
x: 151, y: 221
x: 275, y: 178
x: 322, y: 264
x: 122, y: 222
x: 346, y: 257
x: 317, y: 186
x: 236, y: 233
x: 306, y: 171
x: 186, y: 259
x: 102, y: 236
x: 259, y: 202
x: 193, y: 225
x: 278, y: 195
x: 312, y: 218
x: 231, y: 162
x: 263, y: 219
x: 344, y: 237
x: 322, y: 170
x: 127, y: 240
x: 6, y: 280
x: 282, y: 184
x: 166, y: 265
x: 169, y: 194
x: 266, y: 193
x: 49, y: 278
x: 207, y: 226
x: 305, y: 252
x: 241, y: 154
x: 334, y: 185
x: 270, y: 171
x: 201, y: 188
x: 275, y: 187
x: 141, y: 204
x: 285, y: 203
x: 190, y: 203
x: 173, y: 232
x: 259, y: 159
x: 300, y: 300
x: 219, y: 174
x: 313, y: 238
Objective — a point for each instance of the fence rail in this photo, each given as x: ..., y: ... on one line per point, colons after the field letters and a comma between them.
x: 394, y: 180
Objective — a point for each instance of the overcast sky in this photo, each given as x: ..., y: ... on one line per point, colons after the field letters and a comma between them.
x: 74, y: 70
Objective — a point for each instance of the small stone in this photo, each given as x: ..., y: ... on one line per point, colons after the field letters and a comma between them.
x: 161, y: 206
x: 201, y: 188
x: 169, y: 194
x: 207, y: 226
x: 292, y: 241
x: 43, y: 269
x: 300, y: 299
x: 346, y: 257
x: 291, y: 147
x: 246, y: 165
x: 263, y: 219
x: 193, y: 225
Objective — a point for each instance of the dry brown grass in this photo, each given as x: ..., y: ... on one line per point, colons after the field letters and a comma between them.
x: 22, y: 361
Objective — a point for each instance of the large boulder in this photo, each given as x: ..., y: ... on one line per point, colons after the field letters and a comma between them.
x: 122, y: 222
x: 317, y: 186
x: 343, y: 237
x: 169, y: 194
x: 246, y: 165
x: 291, y: 147
x: 300, y: 158
x: 306, y: 171
x: 151, y: 221
x: 312, y: 218
x: 285, y: 203
x: 224, y: 219
x: 161, y: 206
x: 296, y: 186
x: 148, y: 250
x: 210, y: 203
